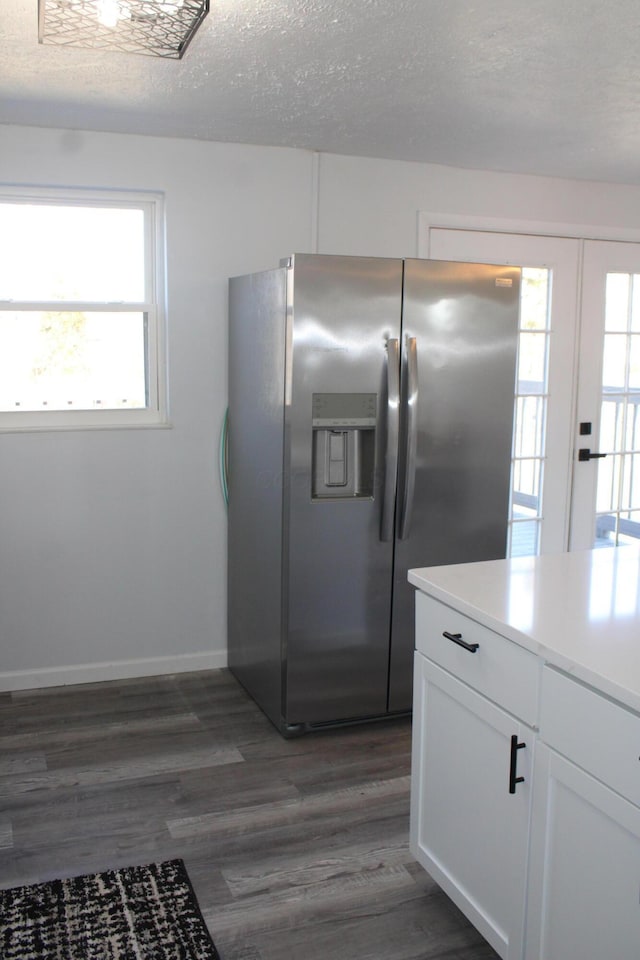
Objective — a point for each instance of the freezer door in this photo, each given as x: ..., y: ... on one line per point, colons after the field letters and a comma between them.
x: 459, y: 339
x: 340, y: 456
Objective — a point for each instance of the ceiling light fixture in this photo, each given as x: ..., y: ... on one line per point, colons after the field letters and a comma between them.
x: 157, y: 28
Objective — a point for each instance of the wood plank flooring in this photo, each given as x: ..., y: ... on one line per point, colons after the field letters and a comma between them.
x: 296, y: 848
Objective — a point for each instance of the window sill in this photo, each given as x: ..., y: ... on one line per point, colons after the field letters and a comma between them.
x: 14, y: 423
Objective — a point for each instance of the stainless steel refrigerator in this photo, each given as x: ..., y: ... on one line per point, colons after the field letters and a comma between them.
x: 370, y: 426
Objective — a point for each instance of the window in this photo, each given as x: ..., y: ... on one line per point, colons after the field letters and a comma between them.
x: 81, y: 330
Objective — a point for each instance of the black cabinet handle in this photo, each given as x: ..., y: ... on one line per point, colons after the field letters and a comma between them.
x: 513, y: 765
x: 457, y: 638
x: 585, y: 454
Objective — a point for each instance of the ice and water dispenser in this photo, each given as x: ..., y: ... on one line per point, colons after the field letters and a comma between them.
x: 344, y: 428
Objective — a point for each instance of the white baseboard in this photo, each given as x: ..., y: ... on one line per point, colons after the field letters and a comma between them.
x: 116, y: 670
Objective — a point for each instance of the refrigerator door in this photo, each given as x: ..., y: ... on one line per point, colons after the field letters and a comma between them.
x: 257, y: 337
x: 340, y: 456
x: 459, y: 339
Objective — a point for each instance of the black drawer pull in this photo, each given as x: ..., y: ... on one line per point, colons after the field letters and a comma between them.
x: 457, y: 638
x: 513, y: 766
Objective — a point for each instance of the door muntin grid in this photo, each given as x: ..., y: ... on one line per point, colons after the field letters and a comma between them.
x: 618, y: 484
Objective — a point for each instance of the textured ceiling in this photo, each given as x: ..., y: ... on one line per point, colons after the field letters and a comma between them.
x: 533, y: 86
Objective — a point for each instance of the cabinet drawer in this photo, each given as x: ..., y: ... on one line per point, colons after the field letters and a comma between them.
x: 597, y: 734
x: 500, y: 669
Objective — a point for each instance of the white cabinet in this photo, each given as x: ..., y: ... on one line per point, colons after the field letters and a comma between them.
x: 471, y: 772
x: 584, y: 885
x: 585, y: 867
x: 556, y: 661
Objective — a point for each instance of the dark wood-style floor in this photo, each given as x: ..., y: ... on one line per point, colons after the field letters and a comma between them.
x: 296, y: 848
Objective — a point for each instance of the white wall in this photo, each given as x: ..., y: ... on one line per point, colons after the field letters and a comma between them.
x: 371, y: 206
x: 112, y: 544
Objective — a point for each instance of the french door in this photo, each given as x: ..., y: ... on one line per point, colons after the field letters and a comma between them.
x: 605, y: 508
x: 543, y: 415
x: 576, y: 451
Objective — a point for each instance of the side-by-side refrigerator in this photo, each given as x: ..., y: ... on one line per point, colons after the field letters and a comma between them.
x: 369, y: 431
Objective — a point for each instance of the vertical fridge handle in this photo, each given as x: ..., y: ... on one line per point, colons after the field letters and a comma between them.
x: 393, y: 434
x: 411, y: 413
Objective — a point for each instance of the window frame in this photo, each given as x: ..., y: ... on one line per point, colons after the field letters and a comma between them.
x: 154, y: 414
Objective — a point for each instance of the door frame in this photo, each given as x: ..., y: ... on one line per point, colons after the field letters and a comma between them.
x: 427, y: 221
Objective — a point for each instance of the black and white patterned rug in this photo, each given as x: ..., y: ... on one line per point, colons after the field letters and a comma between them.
x: 138, y: 913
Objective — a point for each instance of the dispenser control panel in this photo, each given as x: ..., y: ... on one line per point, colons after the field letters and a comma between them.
x: 344, y: 410
x: 343, y: 428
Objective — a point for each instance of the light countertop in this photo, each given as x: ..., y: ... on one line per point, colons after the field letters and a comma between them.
x: 578, y: 611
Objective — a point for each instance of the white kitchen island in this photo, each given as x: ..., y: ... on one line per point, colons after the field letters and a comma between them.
x: 525, y: 801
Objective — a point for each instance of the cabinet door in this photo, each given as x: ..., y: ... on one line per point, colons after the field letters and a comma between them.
x: 467, y: 830
x: 585, y: 867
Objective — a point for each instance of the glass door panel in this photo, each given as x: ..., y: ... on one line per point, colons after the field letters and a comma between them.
x: 618, y: 484
x: 530, y: 415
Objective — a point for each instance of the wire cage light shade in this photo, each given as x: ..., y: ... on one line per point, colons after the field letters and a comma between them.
x: 157, y: 28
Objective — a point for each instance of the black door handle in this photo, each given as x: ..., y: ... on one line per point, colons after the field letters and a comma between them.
x: 585, y: 454
x: 513, y: 765
x: 457, y: 638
